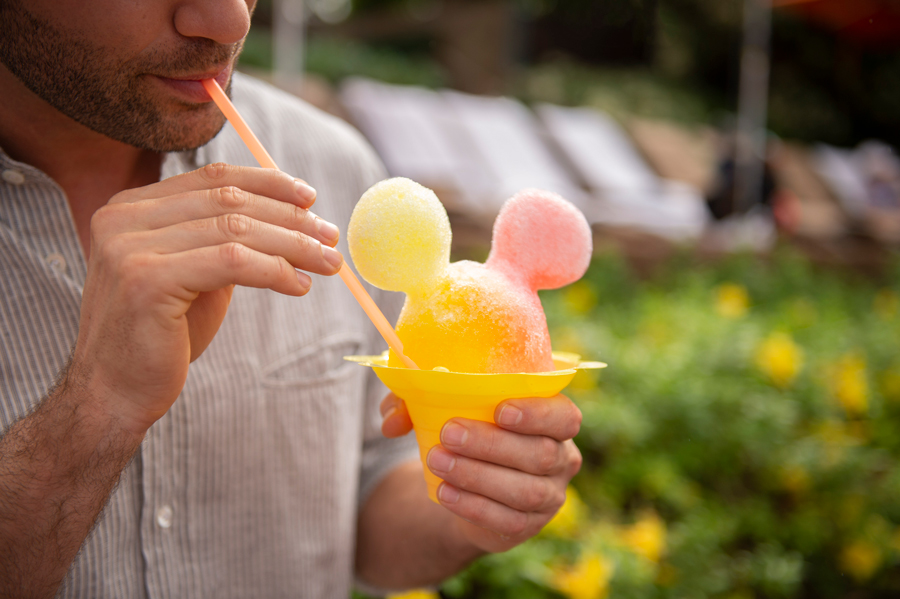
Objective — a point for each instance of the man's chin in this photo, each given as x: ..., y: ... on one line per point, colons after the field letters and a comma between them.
x: 185, y: 131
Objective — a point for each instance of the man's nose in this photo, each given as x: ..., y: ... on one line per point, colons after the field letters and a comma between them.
x: 223, y: 21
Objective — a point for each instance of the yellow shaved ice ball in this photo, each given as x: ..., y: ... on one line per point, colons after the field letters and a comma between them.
x: 399, y: 235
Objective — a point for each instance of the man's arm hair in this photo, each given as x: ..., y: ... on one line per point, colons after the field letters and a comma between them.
x: 58, y: 466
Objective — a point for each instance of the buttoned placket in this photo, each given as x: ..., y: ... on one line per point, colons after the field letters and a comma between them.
x: 165, y: 518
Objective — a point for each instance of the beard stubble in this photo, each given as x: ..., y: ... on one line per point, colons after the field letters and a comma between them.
x: 112, y: 97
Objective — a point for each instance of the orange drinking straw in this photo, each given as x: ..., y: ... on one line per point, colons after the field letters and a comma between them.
x: 259, y: 152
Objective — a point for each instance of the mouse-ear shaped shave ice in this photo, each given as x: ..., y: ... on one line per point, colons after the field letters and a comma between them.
x: 542, y: 238
x: 466, y: 316
x: 399, y: 236
x: 477, y: 331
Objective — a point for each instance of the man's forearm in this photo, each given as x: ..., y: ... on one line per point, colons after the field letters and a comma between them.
x: 405, y: 540
x: 58, y: 467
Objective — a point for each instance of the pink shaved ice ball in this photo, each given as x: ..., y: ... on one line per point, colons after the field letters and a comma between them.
x: 541, y: 239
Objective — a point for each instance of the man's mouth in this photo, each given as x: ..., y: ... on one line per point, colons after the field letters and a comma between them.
x: 189, y: 87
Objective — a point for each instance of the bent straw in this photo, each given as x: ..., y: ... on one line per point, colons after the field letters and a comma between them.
x: 259, y: 152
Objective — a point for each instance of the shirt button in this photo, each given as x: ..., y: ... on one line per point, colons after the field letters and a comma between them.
x: 13, y: 176
x: 164, y: 516
x: 57, y: 262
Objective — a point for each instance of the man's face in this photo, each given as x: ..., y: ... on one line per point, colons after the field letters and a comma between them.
x: 126, y: 68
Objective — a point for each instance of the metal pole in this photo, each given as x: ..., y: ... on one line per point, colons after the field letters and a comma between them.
x: 288, y: 40
x: 750, y: 142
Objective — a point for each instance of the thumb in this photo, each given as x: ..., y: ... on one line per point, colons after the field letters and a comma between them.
x: 396, y: 421
x: 205, y: 316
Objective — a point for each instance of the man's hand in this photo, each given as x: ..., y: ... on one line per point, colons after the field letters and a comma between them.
x: 163, y: 261
x: 505, y: 481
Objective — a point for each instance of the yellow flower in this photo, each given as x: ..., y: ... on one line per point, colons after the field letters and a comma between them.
x: 587, y: 579
x: 895, y: 540
x: 850, y: 385
x: 890, y: 384
x: 656, y: 331
x: 837, y: 436
x: 795, y: 479
x: 570, y: 517
x: 845, y: 434
x: 580, y: 298
x: 646, y: 537
x: 860, y: 559
x: 732, y: 300
x: 416, y: 594
x: 886, y: 304
x: 780, y: 359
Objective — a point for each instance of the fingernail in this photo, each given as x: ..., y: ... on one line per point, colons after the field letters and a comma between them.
x: 304, y: 191
x: 448, y: 494
x: 389, y: 413
x: 332, y: 256
x: 509, y: 416
x: 327, y: 230
x: 454, y: 434
x: 440, y: 460
x: 304, y: 279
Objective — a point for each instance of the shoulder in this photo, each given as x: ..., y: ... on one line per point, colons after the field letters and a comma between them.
x: 301, y: 138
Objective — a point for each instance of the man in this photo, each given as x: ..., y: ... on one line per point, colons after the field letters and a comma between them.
x: 233, y: 450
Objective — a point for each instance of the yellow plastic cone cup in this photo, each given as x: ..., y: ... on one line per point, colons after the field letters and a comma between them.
x: 434, y: 397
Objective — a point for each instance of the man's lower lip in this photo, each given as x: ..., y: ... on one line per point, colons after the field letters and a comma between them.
x: 192, y: 91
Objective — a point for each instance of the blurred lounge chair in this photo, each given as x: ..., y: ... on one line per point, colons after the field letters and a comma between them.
x: 627, y: 191
x: 866, y: 182
x: 474, y: 151
x: 408, y: 127
x: 505, y: 139
x: 676, y: 151
x: 817, y: 215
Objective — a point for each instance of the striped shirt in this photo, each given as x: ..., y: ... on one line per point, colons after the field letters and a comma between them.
x: 249, y: 486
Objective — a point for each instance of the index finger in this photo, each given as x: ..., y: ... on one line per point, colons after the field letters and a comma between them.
x: 267, y: 182
x: 555, y: 417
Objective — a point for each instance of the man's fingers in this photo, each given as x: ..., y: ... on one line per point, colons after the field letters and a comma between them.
x: 509, y: 523
x: 210, y: 203
x: 302, y: 251
x: 261, y: 181
x: 396, y: 421
x: 534, y: 454
x: 512, y: 488
x: 555, y: 417
x: 214, y: 267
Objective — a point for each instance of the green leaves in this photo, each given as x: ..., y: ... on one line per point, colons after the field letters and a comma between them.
x: 757, y: 484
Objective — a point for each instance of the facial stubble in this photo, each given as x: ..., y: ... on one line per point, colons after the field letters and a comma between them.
x: 113, y: 97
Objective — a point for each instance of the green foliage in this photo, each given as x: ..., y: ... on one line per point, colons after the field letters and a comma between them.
x: 702, y: 476
x: 257, y: 50
x: 335, y: 59
x: 619, y: 92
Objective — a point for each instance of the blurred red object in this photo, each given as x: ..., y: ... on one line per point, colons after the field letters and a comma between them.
x: 787, y: 211
x: 871, y: 23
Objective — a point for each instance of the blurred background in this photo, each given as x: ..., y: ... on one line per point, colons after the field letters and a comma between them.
x: 736, y: 161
